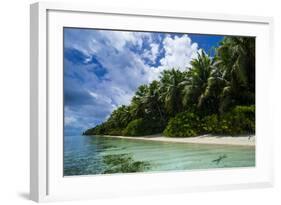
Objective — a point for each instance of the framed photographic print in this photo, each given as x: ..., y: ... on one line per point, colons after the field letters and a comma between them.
x: 127, y: 102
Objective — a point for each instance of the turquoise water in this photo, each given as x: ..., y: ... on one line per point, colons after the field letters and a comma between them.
x: 85, y: 155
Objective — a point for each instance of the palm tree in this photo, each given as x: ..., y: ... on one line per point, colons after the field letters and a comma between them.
x: 170, y: 90
x: 147, y: 102
x: 153, y: 101
x: 236, y: 62
x: 120, y: 117
x: 196, y: 86
x: 138, y: 102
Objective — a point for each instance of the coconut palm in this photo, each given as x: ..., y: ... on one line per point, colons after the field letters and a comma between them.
x: 153, y: 102
x: 170, y: 89
x: 138, y: 102
x: 120, y: 117
x: 236, y: 62
x: 147, y: 103
x: 196, y: 86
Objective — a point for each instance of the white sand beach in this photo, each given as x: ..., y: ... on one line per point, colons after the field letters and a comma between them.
x: 248, y: 140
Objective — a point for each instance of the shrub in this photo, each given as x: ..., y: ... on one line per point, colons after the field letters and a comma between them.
x: 114, y: 132
x: 142, y: 126
x: 184, y: 124
x: 240, y: 120
x: 210, y: 124
x: 134, y: 128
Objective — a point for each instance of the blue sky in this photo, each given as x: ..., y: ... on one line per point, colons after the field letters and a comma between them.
x: 103, y: 68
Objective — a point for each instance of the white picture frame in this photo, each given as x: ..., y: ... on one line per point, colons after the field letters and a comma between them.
x: 46, y: 179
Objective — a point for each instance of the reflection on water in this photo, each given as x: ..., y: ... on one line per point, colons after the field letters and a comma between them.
x: 85, y: 155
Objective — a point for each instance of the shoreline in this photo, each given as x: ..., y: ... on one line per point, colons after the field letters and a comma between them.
x: 248, y: 140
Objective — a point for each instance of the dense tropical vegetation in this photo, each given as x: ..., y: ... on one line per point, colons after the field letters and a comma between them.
x: 215, y: 95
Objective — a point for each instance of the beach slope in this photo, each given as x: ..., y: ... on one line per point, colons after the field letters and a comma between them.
x: 203, y: 139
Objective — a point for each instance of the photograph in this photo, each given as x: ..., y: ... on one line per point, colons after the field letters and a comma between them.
x: 155, y: 101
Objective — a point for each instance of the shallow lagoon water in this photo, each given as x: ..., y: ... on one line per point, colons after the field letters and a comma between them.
x: 84, y: 155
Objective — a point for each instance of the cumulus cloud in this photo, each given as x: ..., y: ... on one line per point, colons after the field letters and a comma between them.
x: 179, y: 51
x: 104, y: 68
x: 152, y: 53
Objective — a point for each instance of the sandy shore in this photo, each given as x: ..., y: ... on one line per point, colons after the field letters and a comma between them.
x: 204, y: 139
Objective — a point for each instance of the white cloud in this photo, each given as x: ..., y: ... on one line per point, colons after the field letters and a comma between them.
x: 68, y: 120
x: 179, y: 51
x: 119, y: 39
x: 151, y: 54
x: 101, y: 97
